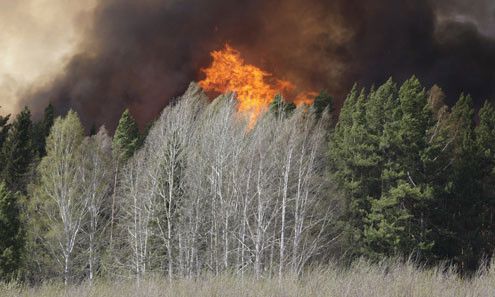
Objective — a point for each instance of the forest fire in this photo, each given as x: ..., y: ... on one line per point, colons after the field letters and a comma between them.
x: 254, y: 87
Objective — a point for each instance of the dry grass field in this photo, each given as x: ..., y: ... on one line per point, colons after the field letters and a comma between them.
x: 362, y: 280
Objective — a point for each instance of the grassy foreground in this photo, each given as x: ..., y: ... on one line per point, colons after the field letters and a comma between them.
x: 361, y: 281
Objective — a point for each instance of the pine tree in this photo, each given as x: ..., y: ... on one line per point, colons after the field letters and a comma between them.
x: 279, y: 106
x: 323, y: 102
x: 41, y: 130
x: 485, y: 133
x: 353, y: 159
x: 461, y: 224
x: 126, y: 139
x: 18, y: 152
x: 382, y: 120
x: 126, y: 142
x: 382, y: 107
x: 395, y: 225
x: 4, y: 128
x: 345, y: 116
x: 485, y: 137
x: 382, y: 114
x: 340, y: 170
x: 93, y: 130
x: 11, y: 234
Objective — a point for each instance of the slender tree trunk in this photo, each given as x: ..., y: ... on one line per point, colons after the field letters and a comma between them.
x: 226, y: 243
x: 66, y: 269
x: 284, y: 206
x: 259, y: 228
x: 169, y: 226
x: 91, y: 255
x: 112, y: 216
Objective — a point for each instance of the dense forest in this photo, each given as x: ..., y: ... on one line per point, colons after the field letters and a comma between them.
x: 394, y: 173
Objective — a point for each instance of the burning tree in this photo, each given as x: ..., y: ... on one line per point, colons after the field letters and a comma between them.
x: 254, y: 88
x: 216, y: 196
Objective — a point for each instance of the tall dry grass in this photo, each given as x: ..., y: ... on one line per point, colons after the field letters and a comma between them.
x: 362, y: 280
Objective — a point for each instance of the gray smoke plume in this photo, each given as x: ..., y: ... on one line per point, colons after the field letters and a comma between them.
x: 140, y: 54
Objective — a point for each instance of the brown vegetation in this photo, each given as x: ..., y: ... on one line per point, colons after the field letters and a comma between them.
x: 362, y: 280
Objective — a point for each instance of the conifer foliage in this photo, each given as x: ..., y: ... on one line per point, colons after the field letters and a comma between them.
x: 42, y: 129
x: 399, y: 174
x: 322, y: 102
x: 280, y: 107
x: 417, y: 176
x: 11, y: 234
x: 18, y: 152
x: 126, y: 139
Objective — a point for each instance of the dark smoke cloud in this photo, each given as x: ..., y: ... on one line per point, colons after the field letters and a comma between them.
x: 140, y: 54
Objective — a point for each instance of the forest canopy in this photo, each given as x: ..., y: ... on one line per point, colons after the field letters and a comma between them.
x: 396, y: 173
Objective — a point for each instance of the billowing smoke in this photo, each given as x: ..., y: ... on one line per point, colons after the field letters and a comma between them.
x: 36, y: 37
x: 140, y: 54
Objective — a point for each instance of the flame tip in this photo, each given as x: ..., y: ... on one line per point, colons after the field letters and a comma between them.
x: 229, y: 72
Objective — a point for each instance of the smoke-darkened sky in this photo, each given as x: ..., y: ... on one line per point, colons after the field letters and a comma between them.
x: 36, y: 38
x: 140, y: 54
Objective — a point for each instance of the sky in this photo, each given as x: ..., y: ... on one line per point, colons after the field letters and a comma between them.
x: 100, y: 55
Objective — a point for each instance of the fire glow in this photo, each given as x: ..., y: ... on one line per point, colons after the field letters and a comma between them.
x: 254, y: 88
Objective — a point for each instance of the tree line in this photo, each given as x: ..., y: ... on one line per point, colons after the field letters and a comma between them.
x: 418, y: 175
x: 396, y: 173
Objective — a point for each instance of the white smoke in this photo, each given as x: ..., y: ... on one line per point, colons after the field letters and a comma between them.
x: 478, y: 12
x: 36, y: 38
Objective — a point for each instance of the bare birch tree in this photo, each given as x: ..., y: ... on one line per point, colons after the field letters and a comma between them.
x: 219, y: 195
x: 96, y: 178
x: 58, y: 192
x: 137, y: 214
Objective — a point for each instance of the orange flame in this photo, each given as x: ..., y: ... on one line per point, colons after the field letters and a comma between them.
x: 254, y: 87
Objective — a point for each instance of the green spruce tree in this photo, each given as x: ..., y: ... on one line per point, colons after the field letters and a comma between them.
x: 41, y: 130
x: 126, y: 139
x: 11, y: 234
x: 485, y: 137
x: 463, y: 204
x: 396, y: 224
x: 323, y: 102
x: 354, y: 163
x: 18, y: 152
x: 4, y: 128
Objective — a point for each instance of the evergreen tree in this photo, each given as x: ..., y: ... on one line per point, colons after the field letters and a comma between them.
x: 93, y: 130
x: 378, y: 152
x: 485, y: 136
x: 382, y: 115
x: 382, y: 107
x: 41, y: 130
x: 4, y: 128
x: 353, y: 158
x: 345, y: 116
x: 279, y: 106
x: 323, y: 102
x: 341, y: 143
x: 126, y: 139
x: 11, y: 234
x: 18, y: 152
x: 460, y: 239
x: 395, y: 224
